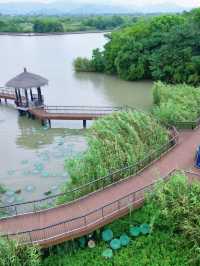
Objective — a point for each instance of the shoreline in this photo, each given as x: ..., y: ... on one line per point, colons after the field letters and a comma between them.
x: 32, y: 34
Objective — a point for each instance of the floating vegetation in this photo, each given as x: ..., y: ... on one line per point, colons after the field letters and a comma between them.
x: 108, y: 253
x: 30, y: 188
x: 134, y: 231
x: 24, y: 162
x: 107, y: 235
x: 145, y: 229
x: 115, y: 244
x: 124, y: 240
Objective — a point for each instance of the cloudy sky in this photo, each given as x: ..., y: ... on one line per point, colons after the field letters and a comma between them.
x: 188, y: 3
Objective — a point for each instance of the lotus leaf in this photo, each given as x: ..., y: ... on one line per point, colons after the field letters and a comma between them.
x: 134, y: 231
x: 107, y: 235
x: 115, y: 244
x: 82, y: 242
x: 124, y: 240
x: 108, y: 253
x: 145, y: 229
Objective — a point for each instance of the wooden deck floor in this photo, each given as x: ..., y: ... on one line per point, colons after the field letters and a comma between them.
x: 42, y: 114
x: 68, y: 221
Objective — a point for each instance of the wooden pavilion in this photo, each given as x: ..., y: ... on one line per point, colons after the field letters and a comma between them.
x: 27, y: 90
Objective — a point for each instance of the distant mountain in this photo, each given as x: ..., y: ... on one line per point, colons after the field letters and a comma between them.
x: 78, y: 8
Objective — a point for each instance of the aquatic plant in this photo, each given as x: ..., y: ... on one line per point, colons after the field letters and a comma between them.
x: 134, y: 231
x: 107, y: 235
x: 107, y: 253
x: 144, y: 229
x: 124, y: 240
x: 115, y: 244
x: 114, y: 142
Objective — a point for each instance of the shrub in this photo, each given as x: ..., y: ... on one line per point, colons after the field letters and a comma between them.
x: 175, y: 104
x: 115, y: 141
x: 14, y: 254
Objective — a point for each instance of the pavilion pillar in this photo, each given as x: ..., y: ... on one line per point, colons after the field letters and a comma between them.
x: 84, y: 123
x: 20, y: 97
x: 31, y: 94
x: 39, y: 94
x: 26, y: 95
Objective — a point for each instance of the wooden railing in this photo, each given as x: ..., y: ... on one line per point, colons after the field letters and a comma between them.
x: 96, y: 185
x: 84, y: 109
x: 7, y: 91
x: 89, y: 221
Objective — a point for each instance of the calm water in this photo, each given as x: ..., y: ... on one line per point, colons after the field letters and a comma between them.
x: 31, y: 157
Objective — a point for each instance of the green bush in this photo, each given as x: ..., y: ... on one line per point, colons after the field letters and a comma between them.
x: 13, y: 254
x: 83, y: 65
x: 173, y: 104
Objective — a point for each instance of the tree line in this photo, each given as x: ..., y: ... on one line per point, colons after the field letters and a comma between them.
x: 165, y: 48
x: 46, y: 24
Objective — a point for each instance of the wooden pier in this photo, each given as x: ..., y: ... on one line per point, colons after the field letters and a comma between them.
x: 46, y: 114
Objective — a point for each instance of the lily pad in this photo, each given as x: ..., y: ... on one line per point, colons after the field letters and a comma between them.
x: 45, y: 174
x: 115, y: 244
x: 82, y: 242
x: 134, y: 231
x: 24, y: 162
x: 107, y: 235
x: 145, y: 229
x: 124, y: 240
x: 30, y: 188
x: 108, y: 253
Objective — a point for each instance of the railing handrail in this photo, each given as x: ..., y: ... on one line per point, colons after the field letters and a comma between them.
x: 93, y: 211
x: 5, y: 90
x: 107, y: 177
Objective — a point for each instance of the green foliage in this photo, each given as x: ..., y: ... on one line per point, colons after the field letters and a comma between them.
x: 50, y: 24
x: 176, y: 204
x: 163, y: 48
x: 172, y: 212
x: 107, y: 235
x: 42, y: 26
x: 13, y: 254
x: 83, y: 65
x: 115, y: 141
x: 175, y: 104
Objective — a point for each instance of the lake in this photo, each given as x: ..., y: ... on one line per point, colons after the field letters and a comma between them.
x: 32, y: 157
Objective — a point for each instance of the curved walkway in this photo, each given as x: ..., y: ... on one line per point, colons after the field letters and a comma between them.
x: 48, y: 227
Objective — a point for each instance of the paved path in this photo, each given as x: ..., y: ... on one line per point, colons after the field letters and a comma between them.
x: 181, y: 157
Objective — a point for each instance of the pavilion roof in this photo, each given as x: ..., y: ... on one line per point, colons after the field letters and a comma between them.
x: 27, y: 80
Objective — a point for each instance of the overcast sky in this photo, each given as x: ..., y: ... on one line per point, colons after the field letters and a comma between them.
x: 188, y: 3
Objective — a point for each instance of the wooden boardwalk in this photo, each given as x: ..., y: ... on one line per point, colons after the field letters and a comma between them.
x: 49, y: 227
x: 7, y: 94
x: 83, y: 113
x: 49, y: 113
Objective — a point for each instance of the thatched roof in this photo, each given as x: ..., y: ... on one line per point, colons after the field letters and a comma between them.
x: 27, y: 80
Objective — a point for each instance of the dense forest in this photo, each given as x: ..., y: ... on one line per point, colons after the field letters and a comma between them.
x: 163, y: 48
x: 46, y: 24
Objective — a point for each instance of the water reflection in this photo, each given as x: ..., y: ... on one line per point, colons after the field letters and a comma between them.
x: 33, y: 136
x: 119, y: 92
